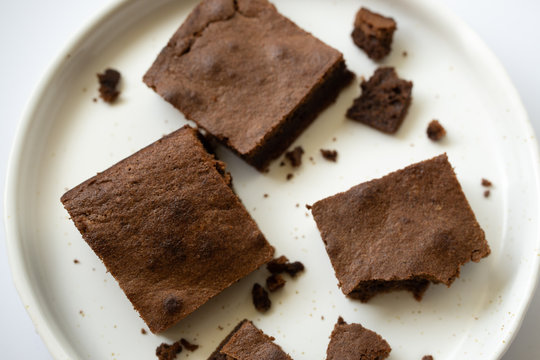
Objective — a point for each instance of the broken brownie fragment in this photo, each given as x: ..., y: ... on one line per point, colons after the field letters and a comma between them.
x: 486, y: 183
x: 435, y: 130
x: 373, y: 33
x: 260, y: 298
x: 275, y: 282
x: 353, y: 342
x: 282, y: 264
x: 427, y: 357
x: 108, y: 82
x: 295, y: 156
x: 384, y: 101
x: 330, y: 155
x: 400, y: 232
x: 188, y: 346
x: 168, y: 352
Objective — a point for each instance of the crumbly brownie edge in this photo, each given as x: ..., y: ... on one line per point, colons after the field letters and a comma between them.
x: 217, y: 355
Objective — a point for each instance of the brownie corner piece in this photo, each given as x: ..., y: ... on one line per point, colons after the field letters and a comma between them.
x: 353, y: 341
x: 406, y: 230
x: 373, y: 33
x: 384, y: 101
x: 248, y: 76
x: 247, y: 342
x: 166, y: 223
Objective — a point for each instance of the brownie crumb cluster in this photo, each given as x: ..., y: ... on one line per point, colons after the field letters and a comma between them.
x: 435, y: 131
x: 168, y: 352
x: 282, y: 265
x: 486, y: 183
x: 260, y: 298
x: 108, y: 82
x: 373, y: 33
x: 295, y: 156
x: 275, y: 282
x: 384, y: 101
x: 330, y: 155
x: 188, y: 346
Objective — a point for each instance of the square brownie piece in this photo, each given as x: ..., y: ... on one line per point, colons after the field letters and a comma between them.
x: 248, y: 76
x: 373, y: 33
x: 400, y: 232
x: 168, y: 227
x: 246, y: 342
x: 384, y: 101
x: 353, y: 342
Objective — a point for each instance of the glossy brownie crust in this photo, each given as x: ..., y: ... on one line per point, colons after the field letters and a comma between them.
x: 354, y: 342
x: 248, y: 76
x: 246, y: 342
x: 403, y: 231
x: 167, y: 226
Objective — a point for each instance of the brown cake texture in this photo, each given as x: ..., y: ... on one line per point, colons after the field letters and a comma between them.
x: 354, y: 342
x: 108, y: 83
x: 168, y: 227
x: 246, y: 342
x: 373, y: 33
x: 248, y: 76
x: 435, y: 131
x: 384, y: 101
x: 403, y: 231
x: 168, y: 352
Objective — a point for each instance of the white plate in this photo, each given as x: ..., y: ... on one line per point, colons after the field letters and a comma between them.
x: 65, y: 137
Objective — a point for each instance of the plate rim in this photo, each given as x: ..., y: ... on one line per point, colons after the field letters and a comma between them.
x: 15, y: 252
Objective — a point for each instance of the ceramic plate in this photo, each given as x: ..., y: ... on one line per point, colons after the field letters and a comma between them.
x: 66, y: 137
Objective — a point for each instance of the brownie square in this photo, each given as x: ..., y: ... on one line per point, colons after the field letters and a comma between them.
x: 400, y: 232
x: 168, y: 227
x: 373, y: 33
x: 248, y: 76
x: 246, y: 342
x: 353, y: 342
x: 384, y: 101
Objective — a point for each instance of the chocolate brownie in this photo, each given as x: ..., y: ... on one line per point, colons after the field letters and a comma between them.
x: 330, y: 155
x: 168, y: 352
x: 166, y: 224
x: 435, y: 130
x: 248, y: 75
x: 384, y: 101
x: 260, y: 298
x: 108, y: 82
x: 246, y: 342
x: 400, y: 232
x: 353, y: 341
x: 373, y: 33
x: 295, y: 156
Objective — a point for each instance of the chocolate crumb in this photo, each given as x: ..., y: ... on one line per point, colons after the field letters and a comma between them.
x: 168, y: 352
x: 75, y: 261
x: 265, y: 195
x: 275, y: 282
x: 172, y: 304
x: 289, y: 176
x: 81, y: 313
x: 108, y: 81
x: 330, y: 155
x: 282, y: 163
x: 94, y: 100
x: 294, y: 268
x: 308, y: 206
x: 295, y: 156
x: 322, y: 317
x: 334, y: 139
x: 427, y: 357
x: 220, y: 327
x: 189, y: 346
x: 487, y: 193
x: 282, y: 264
x: 260, y: 298
x: 297, y: 205
x: 435, y: 130
x: 486, y: 183
x: 143, y: 331
x: 404, y: 54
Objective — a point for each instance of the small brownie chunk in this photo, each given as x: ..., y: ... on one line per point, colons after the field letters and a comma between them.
x: 427, y: 357
x: 330, y: 155
x: 435, y: 130
x: 188, y: 346
x: 249, y: 343
x: 373, y: 33
x: 486, y: 183
x: 260, y: 298
x: 282, y: 264
x: 384, y: 101
x: 400, y: 232
x: 166, y: 224
x: 353, y: 342
x: 275, y: 282
x: 295, y: 156
x: 108, y: 81
x: 248, y: 76
x: 168, y: 352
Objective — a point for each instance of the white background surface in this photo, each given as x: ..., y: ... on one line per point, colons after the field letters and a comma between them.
x: 33, y: 32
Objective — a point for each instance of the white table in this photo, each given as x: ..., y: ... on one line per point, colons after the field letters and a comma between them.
x: 32, y: 32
